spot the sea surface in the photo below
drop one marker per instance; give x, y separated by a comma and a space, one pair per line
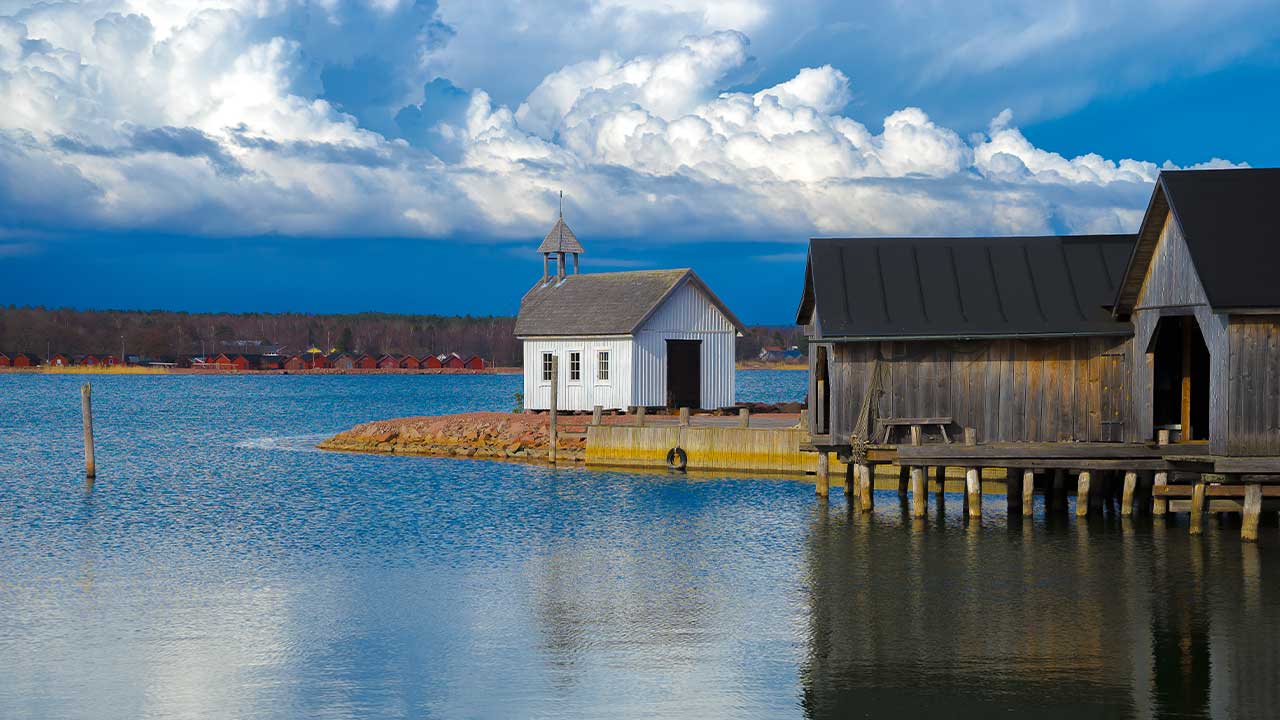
222, 568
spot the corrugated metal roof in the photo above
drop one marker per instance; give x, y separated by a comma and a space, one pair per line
879, 288
1229, 221
614, 303
560, 239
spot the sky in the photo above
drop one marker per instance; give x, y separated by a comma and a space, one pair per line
407, 156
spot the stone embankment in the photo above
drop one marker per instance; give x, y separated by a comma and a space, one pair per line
489, 435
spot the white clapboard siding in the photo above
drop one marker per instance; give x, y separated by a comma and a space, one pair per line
589, 391
686, 314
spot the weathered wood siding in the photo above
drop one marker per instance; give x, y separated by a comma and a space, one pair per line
1172, 288
1254, 404
1050, 390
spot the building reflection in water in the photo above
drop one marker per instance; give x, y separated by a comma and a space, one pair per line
1109, 618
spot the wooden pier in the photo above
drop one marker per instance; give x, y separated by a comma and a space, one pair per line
1140, 478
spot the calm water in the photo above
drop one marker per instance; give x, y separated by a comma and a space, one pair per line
222, 569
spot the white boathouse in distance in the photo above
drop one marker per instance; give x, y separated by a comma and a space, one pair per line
644, 338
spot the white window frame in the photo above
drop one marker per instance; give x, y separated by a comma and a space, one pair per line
608, 366
569, 378
544, 367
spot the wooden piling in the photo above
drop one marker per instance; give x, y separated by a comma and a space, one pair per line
684, 417
1252, 511
554, 439
640, 416
1059, 490
1197, 507
904, 474
824, 468
86, 411
1159, 503
919, 492
744, 418
1082, 494
973, 490
1028, 491
866, 483
1126, 500
850, 483
1012, 491
596, 412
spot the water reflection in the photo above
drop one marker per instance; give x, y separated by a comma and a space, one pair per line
1101, 618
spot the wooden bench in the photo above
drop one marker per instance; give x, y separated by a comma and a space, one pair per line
886, 426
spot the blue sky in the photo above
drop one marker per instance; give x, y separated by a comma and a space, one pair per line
406, 156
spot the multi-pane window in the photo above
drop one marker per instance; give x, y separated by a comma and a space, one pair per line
546, 367
575, 366
602, 365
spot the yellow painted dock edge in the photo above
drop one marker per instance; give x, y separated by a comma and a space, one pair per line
755, 450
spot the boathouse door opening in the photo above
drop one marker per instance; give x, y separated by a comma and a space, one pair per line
822, 388
1180, 383
684, 373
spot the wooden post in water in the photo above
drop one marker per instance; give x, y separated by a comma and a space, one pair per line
684, 417
1126, 500
824, 479
1028, 491
904, 477
744, 418
919, 492
1012, 491
1159, 503
1197, 506
596, 412
86, 410
1252, 511
1059, 490
640, 416
554, 438
866, 482
1082, 494
973, 490
973, 478
850, 482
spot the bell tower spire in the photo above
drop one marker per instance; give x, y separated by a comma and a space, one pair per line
560, 242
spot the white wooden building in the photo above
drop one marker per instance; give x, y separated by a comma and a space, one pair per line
645, 338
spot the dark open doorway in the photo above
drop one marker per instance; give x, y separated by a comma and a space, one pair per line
822, 390
1180, 386
684, 373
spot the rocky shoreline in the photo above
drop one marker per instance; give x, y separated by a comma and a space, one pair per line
486, 435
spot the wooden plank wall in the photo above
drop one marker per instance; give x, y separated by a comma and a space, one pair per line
1056, 390
1254, 407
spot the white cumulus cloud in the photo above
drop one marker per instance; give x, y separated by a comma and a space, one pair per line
236, 118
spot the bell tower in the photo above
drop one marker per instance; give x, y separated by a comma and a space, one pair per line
558, 243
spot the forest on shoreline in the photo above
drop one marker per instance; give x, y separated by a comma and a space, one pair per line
165, 334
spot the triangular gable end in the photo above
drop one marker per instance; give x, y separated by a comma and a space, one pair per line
1170, 278
690, 299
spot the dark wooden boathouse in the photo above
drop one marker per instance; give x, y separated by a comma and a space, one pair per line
1154, 352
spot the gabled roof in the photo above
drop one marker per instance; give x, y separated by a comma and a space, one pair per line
615, 303
1229, 222
916, 288
560, 239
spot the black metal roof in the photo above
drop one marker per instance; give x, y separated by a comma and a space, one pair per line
614, 303
1228, 219
915, 288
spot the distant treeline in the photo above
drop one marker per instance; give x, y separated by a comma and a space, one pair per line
168, 334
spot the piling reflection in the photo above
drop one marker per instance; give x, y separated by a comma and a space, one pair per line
1108, 617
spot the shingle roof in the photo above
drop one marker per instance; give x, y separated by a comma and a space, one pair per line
880, 288
1229, 223
614, 303
560, 239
